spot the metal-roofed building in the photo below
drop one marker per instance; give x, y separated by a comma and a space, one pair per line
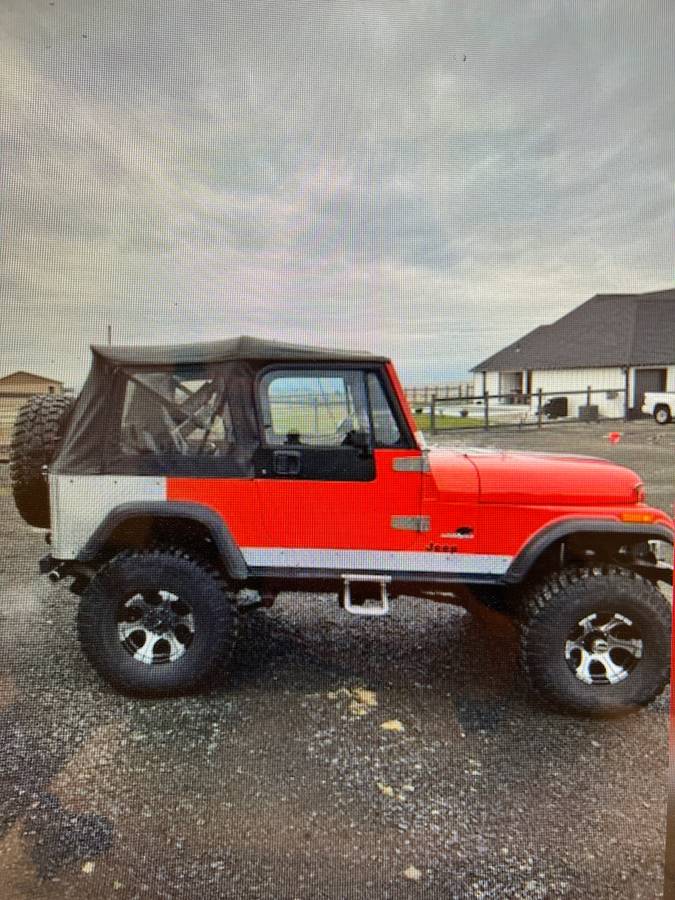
22, 382
620, 344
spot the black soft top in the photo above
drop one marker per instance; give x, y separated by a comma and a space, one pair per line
93, 426
239, 348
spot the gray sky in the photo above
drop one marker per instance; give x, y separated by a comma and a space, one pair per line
423, 179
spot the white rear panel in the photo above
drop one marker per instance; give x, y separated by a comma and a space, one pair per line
79, 503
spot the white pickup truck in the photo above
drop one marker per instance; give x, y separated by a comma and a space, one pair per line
660, 405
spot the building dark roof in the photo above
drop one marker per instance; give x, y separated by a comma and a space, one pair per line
244, 348
607, 330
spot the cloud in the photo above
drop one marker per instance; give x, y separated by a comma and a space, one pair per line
417, 178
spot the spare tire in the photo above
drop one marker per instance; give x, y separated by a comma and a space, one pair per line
34, 439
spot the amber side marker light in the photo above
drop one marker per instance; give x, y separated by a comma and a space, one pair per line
645, 518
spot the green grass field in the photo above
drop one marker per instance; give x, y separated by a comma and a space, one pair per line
424, 422
307, 419
323, 420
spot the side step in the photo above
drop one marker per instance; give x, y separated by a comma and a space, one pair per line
369, 609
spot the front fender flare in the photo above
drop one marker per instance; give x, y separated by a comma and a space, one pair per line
531, 552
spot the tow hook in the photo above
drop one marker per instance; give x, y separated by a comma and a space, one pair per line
56, 574
51, 568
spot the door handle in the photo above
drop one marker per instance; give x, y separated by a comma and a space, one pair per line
287, 462
464, 531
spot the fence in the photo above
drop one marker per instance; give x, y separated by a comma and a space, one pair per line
443, 413
455, 391
435, 412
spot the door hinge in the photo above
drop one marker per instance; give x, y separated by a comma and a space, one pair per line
412, 463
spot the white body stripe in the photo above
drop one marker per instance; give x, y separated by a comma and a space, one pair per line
79, 503
377, 560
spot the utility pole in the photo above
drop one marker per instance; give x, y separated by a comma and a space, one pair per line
109, 335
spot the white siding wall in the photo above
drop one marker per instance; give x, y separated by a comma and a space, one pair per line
477, 383
491, 383
563, 380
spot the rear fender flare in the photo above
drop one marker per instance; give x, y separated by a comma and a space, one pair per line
530, 553
226, 546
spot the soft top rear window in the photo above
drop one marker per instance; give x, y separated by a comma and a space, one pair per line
188, 419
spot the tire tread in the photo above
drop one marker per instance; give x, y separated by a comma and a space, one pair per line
223, 631
34, 438
538, 601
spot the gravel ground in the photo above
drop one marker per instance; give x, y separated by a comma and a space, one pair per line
281, 783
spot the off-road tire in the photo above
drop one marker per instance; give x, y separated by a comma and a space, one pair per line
34, 439
554, 608
662, 415
134, 573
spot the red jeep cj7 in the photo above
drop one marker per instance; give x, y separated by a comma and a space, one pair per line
190, 482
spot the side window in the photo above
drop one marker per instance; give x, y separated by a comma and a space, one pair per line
385, 430
316, 409
166, 413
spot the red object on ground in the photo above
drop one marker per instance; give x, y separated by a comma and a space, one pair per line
614, 437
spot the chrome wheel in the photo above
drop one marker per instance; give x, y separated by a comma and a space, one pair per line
155, 627
604, 648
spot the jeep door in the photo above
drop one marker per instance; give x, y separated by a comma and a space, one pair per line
338, 470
